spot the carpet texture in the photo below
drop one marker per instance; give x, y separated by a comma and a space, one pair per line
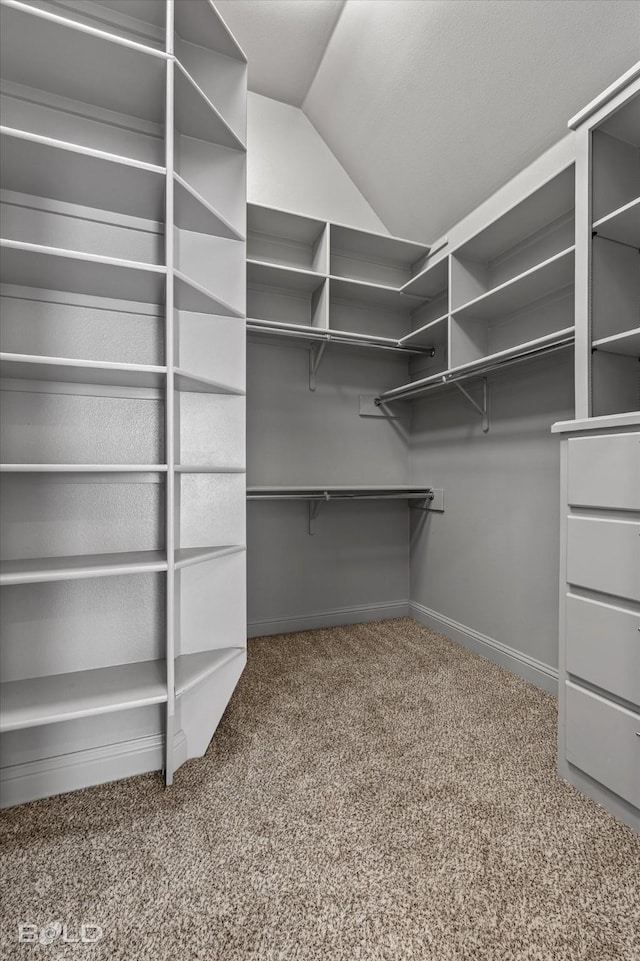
373, 792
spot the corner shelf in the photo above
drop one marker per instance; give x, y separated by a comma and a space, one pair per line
622, 225
196, 115
193, 212
193, 669
193, 383
192, 296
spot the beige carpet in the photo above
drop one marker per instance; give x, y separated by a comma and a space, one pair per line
373, 792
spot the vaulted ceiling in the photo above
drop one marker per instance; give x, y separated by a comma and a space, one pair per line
429, 105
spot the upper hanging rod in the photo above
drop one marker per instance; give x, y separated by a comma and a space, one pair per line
435, 381
334, 336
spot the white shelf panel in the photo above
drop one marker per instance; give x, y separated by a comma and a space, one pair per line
207, 469
101, 61
190, 295
77, 567
429, 282
201, 385
418, 335
191, 669
628, 343
377, 248
65, 697
372, 295
622, 225
273, 222
552, 275
32, 265
204, 26
83, 468
193, 212
197, 117
69, 371
188, 556
287, 278
44, 167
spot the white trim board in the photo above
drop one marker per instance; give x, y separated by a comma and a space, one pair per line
332, 618
529, 668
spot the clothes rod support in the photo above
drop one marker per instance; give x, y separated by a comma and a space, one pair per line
314, 510
482, 410
316, 353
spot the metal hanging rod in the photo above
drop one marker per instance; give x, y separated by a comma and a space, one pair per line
295, 332
420, 387
417, 494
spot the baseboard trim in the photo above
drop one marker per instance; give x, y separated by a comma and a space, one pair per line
34, 780
331, 618
536, 672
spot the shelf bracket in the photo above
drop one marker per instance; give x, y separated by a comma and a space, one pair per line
482, 410
316, 352
314, 510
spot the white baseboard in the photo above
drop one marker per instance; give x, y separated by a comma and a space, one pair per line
536, 672
332, 618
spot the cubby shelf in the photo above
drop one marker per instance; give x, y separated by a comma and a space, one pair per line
188, 382
79, 694
188, 556
45, 167
190, 295
425, 331
545, 278
290, 278
193, 212
101, 60
378, 296
197, 117
34, 265
628, 343
430, 282
207, 469
204, 26
70, 371
622, 225
83, 468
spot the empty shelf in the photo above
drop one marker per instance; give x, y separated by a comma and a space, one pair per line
44, 167
83, 468
207, 469
187, 556
193, 212
430, 282
372, 295
426, 333
70, 371
287, 278
623, 225
65, 697
192, 669
196, 384
37, 569
32, 265
196, 116
378, 248
548, 277
628, 343
204, 26
190, 295
100, 60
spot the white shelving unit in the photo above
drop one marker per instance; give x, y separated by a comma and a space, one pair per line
123, 286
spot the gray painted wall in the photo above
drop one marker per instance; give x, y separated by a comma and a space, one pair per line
490, 561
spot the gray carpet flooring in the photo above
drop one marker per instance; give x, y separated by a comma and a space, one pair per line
374, 793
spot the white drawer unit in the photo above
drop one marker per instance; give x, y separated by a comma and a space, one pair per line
603, 646
603, 554
603, 740
604, 472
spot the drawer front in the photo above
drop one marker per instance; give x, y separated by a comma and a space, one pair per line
601, 740
605, 471
604, 555
603, 646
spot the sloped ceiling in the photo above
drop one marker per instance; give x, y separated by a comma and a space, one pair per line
429, 105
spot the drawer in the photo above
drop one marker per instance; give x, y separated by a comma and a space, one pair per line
603, 646
604, 555
601, 740
605, 471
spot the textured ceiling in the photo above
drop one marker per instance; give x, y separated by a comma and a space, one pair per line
429, 105
284, 41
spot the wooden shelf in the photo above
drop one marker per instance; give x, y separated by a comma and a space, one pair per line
192, 669
33, 265
193, 212
65, 697
197, 117
188, 556
546, 278
45, 167
69, 371
101, 60
77, 567
83, 468
627, 343
289, 278
622, 225
190, 295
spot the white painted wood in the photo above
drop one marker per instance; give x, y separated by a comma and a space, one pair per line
589, 424
193, 669
69, 370
83, 468
62, 697
431, 281
213, 603
186, 381
279, 276
193, 212
604, 472
43, 569
615, 281
606, 96
603, 646
604, 555
202, 706
223, 80
369, 294
196, 116
202, 24
603, 741
193, 296
186, 557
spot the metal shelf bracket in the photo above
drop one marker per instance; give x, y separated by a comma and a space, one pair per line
316, 352
314, 510
482, 410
